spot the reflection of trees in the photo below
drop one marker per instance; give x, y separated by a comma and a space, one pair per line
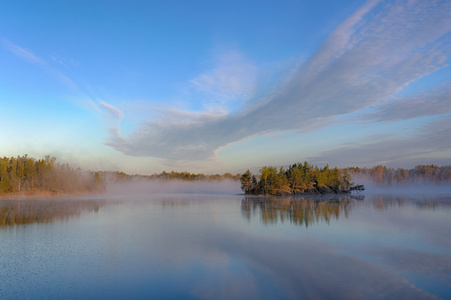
18, 212
304, 211
383, 202
432, 204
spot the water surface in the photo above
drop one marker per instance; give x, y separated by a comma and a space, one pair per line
207, 246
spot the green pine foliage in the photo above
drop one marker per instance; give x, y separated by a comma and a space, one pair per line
298, 179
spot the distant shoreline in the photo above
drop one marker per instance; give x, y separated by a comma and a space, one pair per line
38, 195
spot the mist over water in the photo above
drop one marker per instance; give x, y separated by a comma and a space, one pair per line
206, 240
420, 188
140, 187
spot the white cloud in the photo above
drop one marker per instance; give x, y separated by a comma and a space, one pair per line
111, 110
372, 56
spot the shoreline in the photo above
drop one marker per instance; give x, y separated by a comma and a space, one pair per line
39, 195
316, 196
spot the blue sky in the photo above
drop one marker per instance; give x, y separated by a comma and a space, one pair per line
223, 86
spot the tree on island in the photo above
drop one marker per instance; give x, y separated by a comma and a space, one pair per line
298, 179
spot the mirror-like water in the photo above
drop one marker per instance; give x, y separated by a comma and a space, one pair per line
228, 247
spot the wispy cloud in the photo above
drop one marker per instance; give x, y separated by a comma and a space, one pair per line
22, 52
34, 59
392, 150
431, 103
373, 55
111, 110
112, 117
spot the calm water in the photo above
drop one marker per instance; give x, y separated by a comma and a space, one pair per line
226, 247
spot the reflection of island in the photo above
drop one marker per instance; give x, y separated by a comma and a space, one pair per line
304, 211
18, 212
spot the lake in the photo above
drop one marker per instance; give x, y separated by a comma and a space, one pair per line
226, 246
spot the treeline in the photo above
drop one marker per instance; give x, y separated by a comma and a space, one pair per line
298, 179
382, 175
24, 174
185, 176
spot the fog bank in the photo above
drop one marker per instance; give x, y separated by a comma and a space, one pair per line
141, 187
411, 189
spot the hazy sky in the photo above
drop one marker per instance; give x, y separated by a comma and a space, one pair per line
217, 86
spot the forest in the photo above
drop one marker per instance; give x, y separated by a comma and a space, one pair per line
298, 179
421, 174
305, 178
185, 176
26, 174
302, 178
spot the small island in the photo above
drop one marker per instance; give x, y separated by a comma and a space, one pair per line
298, 179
